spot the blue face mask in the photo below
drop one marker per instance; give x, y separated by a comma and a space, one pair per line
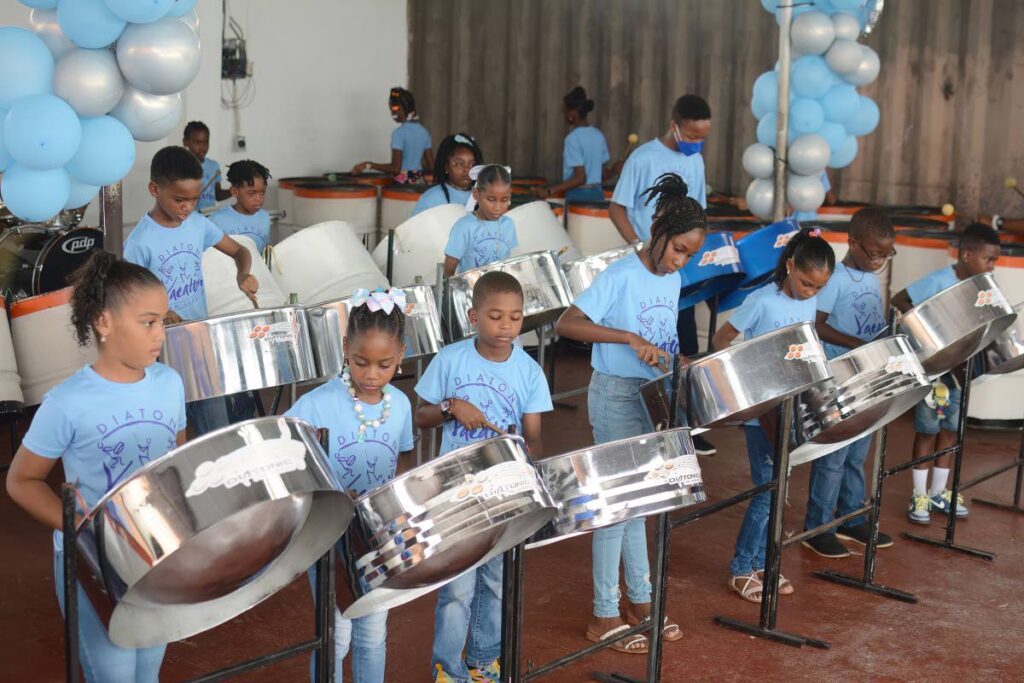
689, 148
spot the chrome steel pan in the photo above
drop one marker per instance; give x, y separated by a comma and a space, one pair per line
1006, 352
581, 273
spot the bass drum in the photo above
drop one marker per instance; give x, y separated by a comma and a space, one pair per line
35, 259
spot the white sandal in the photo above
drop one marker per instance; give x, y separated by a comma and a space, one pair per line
751, 585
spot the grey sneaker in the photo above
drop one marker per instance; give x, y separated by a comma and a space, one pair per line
919, 504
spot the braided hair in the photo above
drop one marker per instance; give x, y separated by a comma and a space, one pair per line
809, 251
103, 283
445, 150
400, 99
246, 171
675, 212
576, 100
361, 320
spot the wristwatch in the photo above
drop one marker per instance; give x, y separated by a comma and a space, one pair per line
446, 409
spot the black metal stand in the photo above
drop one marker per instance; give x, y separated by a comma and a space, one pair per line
1015, 506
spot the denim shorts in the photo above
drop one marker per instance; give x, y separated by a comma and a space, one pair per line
926, 418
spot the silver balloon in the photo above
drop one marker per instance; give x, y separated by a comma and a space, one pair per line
89, 80
867, 70
844, 56
191, 19
43, 22
812, 33
809, 154
759, 160
805, 192
760, 195
149, 117
160, 58
847, 26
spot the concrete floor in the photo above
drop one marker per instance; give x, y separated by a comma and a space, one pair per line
967, 626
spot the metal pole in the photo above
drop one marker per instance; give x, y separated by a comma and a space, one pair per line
112, 218
70, 585
782, 113
512, 613
323, 655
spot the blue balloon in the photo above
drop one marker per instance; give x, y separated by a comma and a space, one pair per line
840, 102
825, 6
89, 23
845, 154
834, 134
806, 116
26, 65
811, 76
864, 118
766, 94
106, 154
35, 196
42, 132
5, 157
847, 5
39, 4
181, 7
766, 129
80, 195
140, 11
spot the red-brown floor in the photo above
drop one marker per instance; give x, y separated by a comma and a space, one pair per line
968, 624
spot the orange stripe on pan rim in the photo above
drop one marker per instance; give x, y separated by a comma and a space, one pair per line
924, 242
838, 210
534, 181
580, 210
41, 302
335, 193
401, 195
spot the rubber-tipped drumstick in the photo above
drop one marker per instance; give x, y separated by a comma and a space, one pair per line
632, 140
948, 209
1011, 183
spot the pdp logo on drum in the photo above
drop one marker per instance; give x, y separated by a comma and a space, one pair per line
680, 471
500, 481
722, 256
78, 245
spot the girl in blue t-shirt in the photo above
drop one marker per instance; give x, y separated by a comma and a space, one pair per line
486, 235
456, 156
804, 267
584, 153
629, 315
104, 423
369, 427
411, 148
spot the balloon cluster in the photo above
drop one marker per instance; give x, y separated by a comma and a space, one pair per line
77, 90
826, 113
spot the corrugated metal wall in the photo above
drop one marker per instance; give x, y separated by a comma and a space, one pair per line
950, 105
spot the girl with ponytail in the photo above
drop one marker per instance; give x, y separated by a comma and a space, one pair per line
584, 153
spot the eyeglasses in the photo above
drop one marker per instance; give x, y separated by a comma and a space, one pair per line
875, 258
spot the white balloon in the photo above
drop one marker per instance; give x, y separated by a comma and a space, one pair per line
759, 160
89, 80
191, 19
160, 58
43, 23
847, 26
808, 154
760, 195
812, 33
804, 192
867, 71
149, 117
844, 56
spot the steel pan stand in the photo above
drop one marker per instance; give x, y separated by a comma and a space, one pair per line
1018, 485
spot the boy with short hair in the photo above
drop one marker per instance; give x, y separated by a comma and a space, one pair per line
246, 216
196, 139
475, 390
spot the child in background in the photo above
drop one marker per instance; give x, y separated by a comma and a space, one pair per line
170, 240
196, 139
629, 315
246, 216
411, 148
937, 417
486, 235
369, 425
804, 267
583, 155
456, 155
104, 422
850, 313
474, 390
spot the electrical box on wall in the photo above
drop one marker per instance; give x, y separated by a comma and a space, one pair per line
233, 63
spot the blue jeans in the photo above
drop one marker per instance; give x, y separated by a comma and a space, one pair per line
208, 414
927, 420
837, 485
617, 412
468, 617
102, 661
753, 536
368, 637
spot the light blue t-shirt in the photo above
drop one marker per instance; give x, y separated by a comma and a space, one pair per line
476, 243
585, 146
104, 431
175, 255
641, 171
412, 140
853, 300
931, 284
208, 198
435, 197
627, 296
360, 465
504, 392
256, 227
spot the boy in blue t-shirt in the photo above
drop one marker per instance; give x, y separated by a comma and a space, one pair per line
475, 390
850, 313
246, 217
196, 139
937, 417
170, 241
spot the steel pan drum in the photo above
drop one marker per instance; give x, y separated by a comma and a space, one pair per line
545, 291
617, 481
956, 323
870, 387
328, 323
715, 269
419, 245
749, 379
210, 530
325, 261
240, 352
581, 273
430, 524
759, 254
538, 229
1006, 353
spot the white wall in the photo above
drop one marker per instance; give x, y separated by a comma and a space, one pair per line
322, 71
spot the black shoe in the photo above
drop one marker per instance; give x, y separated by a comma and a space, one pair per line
703, 446
826, 545
859, 534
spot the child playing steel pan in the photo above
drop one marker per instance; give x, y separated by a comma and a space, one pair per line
246, 216
486, 235
456, 156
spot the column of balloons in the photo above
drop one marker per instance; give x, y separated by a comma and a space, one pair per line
76, 90
826, 112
